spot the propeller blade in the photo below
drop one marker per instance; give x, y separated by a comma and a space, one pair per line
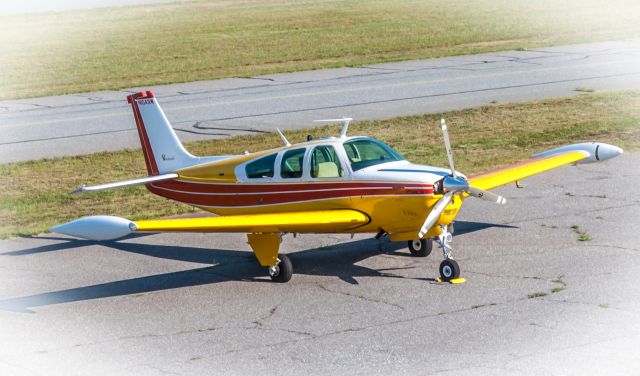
486, 195
447, 145
435, 213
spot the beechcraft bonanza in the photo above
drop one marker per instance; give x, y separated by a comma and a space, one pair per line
345, 184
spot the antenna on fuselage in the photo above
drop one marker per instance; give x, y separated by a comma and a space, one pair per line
345, 124
284, 139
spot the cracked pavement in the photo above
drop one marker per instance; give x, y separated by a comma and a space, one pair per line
537, 299
102, 121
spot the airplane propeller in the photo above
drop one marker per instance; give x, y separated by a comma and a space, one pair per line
453, 184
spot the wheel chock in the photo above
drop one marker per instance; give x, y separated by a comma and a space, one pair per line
454, 281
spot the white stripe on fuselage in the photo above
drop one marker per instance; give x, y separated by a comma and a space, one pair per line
403, 171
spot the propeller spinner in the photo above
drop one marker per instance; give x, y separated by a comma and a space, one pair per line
451, 185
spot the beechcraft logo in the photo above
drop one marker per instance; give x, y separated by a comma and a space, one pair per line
167, 158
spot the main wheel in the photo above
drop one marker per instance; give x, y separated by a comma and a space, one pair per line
449, 270
282, 271
420, 247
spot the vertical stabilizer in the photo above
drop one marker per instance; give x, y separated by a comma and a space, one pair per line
162, 149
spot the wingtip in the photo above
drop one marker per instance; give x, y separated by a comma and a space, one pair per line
97, 227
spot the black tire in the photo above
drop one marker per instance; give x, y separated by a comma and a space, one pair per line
420, 247
449, 270
284, 270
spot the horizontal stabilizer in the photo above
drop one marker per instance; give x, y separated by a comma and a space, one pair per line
125, 183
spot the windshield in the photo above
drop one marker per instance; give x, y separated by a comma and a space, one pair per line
365, 152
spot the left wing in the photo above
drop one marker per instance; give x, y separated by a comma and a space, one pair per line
102, 227
308, 221
588, 152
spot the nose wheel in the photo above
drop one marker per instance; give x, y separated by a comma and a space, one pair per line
449, 268
282, 271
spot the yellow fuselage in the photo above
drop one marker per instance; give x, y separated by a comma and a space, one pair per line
396, 196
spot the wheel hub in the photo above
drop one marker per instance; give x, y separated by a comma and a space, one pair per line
274, 270
446, 271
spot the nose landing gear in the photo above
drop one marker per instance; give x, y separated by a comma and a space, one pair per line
449, 269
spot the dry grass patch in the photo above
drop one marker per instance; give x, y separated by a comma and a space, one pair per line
121, 47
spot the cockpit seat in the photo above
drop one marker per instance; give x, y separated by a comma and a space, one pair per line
327, 170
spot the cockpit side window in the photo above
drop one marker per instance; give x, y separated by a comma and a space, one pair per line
291, 165
365, 152
325, 163
261, 168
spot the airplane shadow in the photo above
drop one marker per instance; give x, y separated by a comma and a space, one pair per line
466, 227
338, 261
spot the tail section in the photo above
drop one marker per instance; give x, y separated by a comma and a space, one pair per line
162, 149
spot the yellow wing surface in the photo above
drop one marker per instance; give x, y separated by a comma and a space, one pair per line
325, 221
495, 178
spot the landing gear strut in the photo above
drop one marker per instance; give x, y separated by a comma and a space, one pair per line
449, 268
282, 271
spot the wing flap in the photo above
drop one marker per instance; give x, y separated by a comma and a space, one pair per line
536, 165
304, 222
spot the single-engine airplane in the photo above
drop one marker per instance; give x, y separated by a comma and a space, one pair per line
344, 184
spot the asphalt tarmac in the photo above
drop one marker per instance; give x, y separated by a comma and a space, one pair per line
537, 301
91, 122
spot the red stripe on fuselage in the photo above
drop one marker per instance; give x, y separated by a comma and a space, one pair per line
237, 195
204, 187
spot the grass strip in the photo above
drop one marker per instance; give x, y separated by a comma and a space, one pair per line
121, 47
34, 194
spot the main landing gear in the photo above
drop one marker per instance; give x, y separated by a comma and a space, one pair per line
420, 247
282, 271
449, 268
265, 247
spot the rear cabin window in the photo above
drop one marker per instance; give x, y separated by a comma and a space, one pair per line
325, 163
261, 168
291, 165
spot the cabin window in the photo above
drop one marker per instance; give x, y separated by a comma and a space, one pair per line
325, 163
365, 152
261, 168
291, 165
